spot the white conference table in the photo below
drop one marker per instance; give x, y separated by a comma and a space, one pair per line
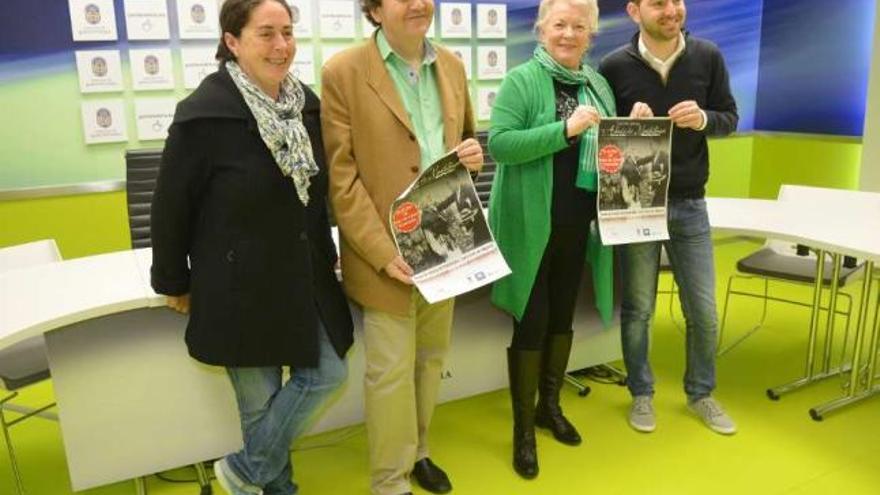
831, 221
131, 402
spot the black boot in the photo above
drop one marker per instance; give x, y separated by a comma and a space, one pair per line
523, 367
549, 414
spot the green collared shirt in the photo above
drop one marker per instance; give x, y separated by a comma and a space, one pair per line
421, 98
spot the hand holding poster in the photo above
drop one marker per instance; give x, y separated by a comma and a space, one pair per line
633, 164
441, 232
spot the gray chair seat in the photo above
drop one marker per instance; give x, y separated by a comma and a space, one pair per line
24, 363
769, 263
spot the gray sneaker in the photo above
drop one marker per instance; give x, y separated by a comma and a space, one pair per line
230, 482
641, 414
711, 412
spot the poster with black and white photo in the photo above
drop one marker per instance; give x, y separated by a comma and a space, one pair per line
441, 232
634, 168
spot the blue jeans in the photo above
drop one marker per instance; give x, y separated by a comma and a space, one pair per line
273, 416
690, 253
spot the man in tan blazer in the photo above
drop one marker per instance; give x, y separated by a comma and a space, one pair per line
391, 107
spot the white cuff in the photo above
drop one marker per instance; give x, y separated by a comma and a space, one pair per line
705, 120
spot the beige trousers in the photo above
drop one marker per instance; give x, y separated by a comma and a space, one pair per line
404, 362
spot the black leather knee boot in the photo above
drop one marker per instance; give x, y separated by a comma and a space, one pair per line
549, 413
523, 367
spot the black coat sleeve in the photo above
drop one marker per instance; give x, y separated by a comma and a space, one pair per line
721, 113
182, 176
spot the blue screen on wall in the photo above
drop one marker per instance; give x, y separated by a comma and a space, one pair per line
815, 61
795, 65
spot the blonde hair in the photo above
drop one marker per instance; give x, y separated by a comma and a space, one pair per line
591, 8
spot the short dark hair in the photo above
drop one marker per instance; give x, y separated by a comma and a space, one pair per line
234, 16
367, 6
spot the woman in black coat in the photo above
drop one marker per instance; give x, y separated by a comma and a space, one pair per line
241, 241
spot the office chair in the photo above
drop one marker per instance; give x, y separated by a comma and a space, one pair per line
24, 363
666, 267
141, 172
483, 182
785, 262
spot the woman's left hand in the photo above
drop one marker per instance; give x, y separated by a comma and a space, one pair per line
178, 303
470, 153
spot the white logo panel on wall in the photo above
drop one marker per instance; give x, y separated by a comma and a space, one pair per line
455, 20
491, 20
146, 19
485, 101
197, 19
197, 64
151, 69
92, 20
367, 27
337, 18
327, 52
491, 62
103, 121
99, 71
303, 66
153, 117
301, 11
465, 54
432, 29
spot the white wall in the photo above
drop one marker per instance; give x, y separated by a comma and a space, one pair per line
870, 173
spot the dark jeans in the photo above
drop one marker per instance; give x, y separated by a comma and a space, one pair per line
690, 253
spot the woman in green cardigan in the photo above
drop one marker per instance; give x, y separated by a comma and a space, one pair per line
543, 137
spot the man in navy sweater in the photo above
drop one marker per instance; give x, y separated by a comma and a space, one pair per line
663, 71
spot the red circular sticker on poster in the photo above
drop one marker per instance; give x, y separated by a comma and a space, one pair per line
610, 159
407, 217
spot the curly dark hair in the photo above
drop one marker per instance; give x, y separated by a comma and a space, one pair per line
369, 5
234, 16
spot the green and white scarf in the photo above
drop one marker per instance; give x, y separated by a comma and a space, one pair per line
594, 91
281, 127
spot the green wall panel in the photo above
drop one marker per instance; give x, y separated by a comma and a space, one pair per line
81, 225
804, 160
730, 167
741, 166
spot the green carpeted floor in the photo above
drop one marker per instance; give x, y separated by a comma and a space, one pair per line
778, 450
